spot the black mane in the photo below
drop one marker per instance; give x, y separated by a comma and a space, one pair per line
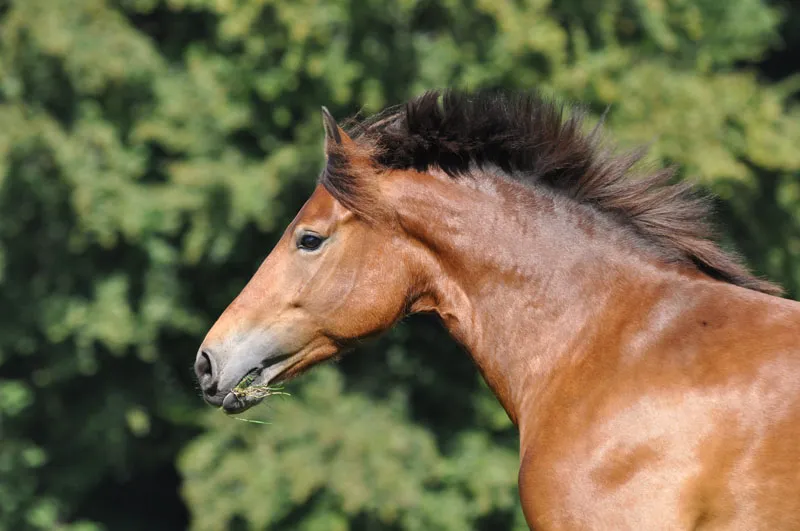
528, 137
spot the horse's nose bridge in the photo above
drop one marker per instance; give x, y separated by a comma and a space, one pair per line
250, 300
243, 314
260, 291
250, 310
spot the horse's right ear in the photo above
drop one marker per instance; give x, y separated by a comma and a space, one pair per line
331, 127
346, 164
334, 135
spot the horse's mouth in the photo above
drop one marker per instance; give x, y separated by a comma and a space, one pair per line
237, 399
255, 385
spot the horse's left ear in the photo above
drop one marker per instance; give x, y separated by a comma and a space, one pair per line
334, 135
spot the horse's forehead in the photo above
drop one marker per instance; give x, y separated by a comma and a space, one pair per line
321, 205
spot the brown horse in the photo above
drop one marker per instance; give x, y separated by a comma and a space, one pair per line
655, 382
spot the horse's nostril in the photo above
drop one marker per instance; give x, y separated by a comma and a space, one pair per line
203, 364
204, 369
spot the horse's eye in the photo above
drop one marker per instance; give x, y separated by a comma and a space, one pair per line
309, 242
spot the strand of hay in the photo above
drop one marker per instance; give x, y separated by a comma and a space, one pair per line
245, 390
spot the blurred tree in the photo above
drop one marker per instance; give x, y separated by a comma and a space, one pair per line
151, 152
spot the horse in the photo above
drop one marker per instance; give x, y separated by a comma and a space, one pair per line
654, 381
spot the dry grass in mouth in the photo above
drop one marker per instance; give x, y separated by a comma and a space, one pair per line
245, 390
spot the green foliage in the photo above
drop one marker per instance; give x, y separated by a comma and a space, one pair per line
351, 457
151, 152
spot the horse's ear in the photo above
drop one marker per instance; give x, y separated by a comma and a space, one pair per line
334, 135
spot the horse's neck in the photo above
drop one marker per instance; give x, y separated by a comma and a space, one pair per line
520, 279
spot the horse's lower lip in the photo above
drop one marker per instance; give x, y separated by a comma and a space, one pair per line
232, 404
